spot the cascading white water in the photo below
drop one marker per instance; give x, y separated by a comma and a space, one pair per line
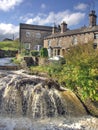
30, 97
25, 99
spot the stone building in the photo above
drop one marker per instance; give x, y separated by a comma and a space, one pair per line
31, 36
61, 38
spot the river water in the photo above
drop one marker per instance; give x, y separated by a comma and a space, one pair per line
84, 123
6, 62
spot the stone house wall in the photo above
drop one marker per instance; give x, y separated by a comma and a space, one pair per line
67, 41
32, 35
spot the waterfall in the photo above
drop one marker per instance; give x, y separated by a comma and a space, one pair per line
25, 97
32, 96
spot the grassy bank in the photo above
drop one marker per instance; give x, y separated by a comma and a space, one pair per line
9, 45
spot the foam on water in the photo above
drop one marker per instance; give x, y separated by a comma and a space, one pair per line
84, 123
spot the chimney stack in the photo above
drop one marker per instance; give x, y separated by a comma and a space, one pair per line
63, 27
92, 18
54, 29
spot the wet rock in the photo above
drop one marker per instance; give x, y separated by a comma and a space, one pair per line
92, 107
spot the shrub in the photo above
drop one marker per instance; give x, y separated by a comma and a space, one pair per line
25, 52
44, 52
34, 53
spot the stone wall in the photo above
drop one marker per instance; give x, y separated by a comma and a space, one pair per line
31, 60
1, 53
8, 53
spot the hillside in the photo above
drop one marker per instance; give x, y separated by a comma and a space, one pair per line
9, 45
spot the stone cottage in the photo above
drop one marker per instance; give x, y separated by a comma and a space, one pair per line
32, 36
62, 38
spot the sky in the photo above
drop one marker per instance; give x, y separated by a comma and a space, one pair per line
43, 12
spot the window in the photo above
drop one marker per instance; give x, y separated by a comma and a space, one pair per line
27, 34
59, 43
49, 43
96, 36
95, 45
55, 52
74, 41
38, 47
58, 52
38, 35
27, 46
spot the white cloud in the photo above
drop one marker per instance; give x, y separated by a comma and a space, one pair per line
6, 5
81, 6
71, 18
29, 21
43, 6
7, 30
26, 17
74, 18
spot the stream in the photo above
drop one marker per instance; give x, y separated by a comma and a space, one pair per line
6, 62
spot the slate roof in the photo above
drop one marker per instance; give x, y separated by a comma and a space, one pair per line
81, 30
35, 27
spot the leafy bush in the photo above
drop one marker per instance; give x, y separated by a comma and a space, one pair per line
25, 52
81, 80
34, 53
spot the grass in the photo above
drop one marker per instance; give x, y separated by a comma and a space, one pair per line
40, 69
9, 45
